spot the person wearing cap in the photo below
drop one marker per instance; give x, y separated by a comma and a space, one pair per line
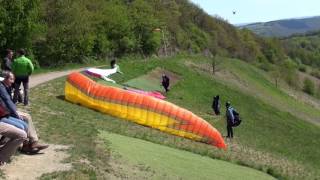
230, 119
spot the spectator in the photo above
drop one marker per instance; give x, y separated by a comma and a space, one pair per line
22, 68
32, 144
7, 61
16, 137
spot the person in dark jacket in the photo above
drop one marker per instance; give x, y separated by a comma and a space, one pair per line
7, 61
230, 119
216, 105
32, 144
165, 82
113, 63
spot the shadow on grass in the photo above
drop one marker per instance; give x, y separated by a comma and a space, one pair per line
61, 97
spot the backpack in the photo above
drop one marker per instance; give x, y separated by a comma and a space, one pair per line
237, 121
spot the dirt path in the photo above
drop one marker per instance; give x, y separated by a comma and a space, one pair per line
42, 78
29, 167
33, 166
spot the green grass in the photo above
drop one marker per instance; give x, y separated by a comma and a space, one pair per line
161, 162
269, 139
265, 89
145, 84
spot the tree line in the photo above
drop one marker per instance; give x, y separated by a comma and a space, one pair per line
56, 32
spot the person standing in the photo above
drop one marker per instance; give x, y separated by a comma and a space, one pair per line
230, 119
165, 82
216, 105
6, 64
22, 68
7, 61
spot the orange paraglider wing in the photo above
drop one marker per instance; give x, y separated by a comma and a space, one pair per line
141, 109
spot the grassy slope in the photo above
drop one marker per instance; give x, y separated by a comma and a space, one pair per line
265, 127
170, 163
258, 116
269, 139
259, 86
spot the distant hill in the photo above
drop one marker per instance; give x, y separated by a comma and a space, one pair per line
284, 28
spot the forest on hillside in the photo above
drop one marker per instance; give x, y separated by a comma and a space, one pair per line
56, 32
304, 48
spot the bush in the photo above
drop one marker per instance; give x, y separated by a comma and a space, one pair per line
302, 68
288, 71
308, 86
267, 67
315, 73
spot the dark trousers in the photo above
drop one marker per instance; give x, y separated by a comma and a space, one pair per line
25, 82
166, 86
229, 130
216, 111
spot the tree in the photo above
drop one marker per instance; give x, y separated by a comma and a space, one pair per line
215, 63
288, 72
70, 33
115, 27
19, 23
276, 75
144, 23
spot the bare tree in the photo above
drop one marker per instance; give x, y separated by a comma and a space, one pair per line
215, 63
276, 75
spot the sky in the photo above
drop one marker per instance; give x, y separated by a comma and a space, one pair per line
248, 11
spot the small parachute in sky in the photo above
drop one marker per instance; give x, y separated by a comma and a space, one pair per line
234, 12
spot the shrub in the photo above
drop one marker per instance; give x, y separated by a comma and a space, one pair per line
302, 68
308, 86
315, 73
288, 71
267, 67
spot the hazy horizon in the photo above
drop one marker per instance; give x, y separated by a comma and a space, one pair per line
252, 11
304, 17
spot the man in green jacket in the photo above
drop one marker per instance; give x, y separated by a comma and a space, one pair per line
22, 68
